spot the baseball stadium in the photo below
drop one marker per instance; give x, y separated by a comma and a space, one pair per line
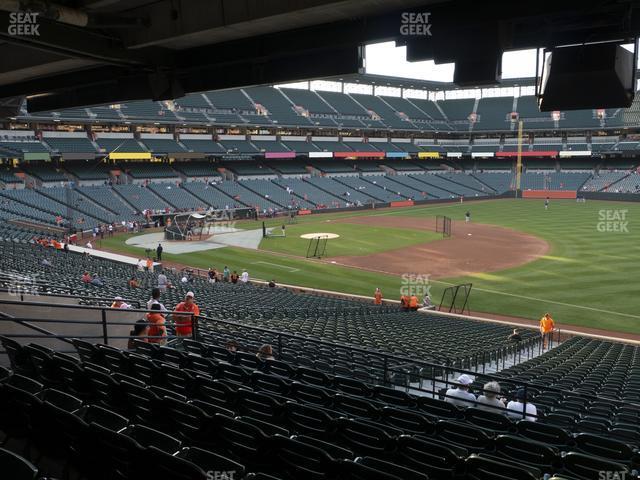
325, 239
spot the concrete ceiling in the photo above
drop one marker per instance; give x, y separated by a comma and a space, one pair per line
101, 51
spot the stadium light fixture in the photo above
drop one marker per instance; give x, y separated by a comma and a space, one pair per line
586, 76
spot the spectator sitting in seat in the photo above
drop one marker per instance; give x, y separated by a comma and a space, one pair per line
139, 332
265, 353
156, 325
461, 396
86, 278
133, 282
234, 277
97, 281
516, 408
119, 303
489, 399
515, 337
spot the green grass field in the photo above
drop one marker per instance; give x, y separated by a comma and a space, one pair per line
588, 278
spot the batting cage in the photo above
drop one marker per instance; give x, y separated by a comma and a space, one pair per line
443, 225
455, 299
317, 247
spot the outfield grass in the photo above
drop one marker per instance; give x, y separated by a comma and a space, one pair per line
588, 278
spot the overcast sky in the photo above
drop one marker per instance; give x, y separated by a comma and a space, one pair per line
387, 59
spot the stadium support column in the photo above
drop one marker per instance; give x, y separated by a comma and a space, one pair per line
519, 158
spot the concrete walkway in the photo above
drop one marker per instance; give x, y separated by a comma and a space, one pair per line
108, 255
230, 237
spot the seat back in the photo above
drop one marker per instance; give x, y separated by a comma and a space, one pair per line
587, 467
426, 455
530, 452
309, 420
15, 467
301, 460
481, 468
156, 464
463, 435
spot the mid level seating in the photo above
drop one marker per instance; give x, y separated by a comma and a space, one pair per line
149, 170
141, 198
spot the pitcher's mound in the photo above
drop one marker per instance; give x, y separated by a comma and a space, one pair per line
308, 236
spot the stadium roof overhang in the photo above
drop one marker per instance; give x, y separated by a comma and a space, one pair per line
84, 52
417, 84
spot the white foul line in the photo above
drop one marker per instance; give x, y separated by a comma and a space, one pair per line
291, 269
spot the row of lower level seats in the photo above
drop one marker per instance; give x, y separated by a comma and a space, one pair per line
132, 416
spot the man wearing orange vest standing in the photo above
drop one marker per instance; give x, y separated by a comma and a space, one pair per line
546, 328
183, 323
377, 297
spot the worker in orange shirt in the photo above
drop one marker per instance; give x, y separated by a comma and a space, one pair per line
413, 302
404, 303
149, 264
184, 326
546, 328
377, 297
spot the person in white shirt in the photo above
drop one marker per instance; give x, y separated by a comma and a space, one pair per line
141, 265
244, 278
489, 400
516, 408
162, 282
461, 396
427, 303
89, 246
155, 298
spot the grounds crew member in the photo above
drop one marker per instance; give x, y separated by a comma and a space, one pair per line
546, 327
413, 302
377, 297
404, 303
